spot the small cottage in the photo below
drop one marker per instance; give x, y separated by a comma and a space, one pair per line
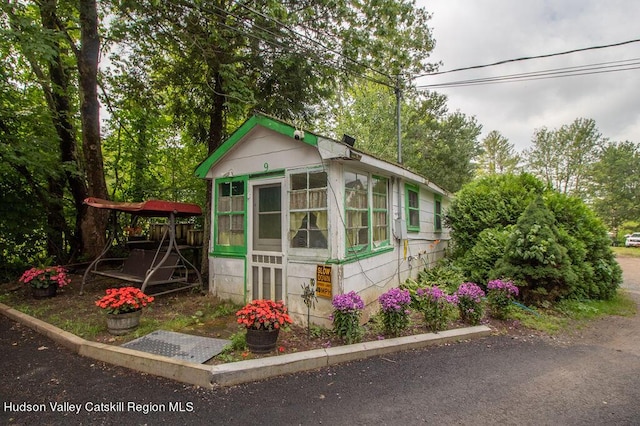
291, 207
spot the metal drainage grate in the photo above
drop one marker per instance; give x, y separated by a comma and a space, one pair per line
180, 346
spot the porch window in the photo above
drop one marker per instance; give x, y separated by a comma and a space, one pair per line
366, 211
437, 213
380, 213
357, 210
308, 210
230, 214
412, 201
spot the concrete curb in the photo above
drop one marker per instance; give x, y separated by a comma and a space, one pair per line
210, 376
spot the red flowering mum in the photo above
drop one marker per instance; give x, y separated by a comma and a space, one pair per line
124, 299
263, 314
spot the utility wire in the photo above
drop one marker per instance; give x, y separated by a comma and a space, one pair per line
294, 37
527, 58
598, 68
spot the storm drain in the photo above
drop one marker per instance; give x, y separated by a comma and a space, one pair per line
180, 346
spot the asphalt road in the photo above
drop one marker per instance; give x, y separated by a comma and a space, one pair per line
588, 379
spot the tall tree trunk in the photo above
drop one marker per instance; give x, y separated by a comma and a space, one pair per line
94, 221
60, 106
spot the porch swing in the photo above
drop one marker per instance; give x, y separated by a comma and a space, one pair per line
163, 265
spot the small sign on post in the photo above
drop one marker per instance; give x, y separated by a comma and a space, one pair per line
323, 281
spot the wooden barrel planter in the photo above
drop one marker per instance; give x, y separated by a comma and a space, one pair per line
262, 341
119, 324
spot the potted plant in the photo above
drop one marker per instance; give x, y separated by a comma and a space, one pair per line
263, 320
123, 307
45, 281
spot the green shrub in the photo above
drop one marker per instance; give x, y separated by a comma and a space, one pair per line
479, 263
535, 259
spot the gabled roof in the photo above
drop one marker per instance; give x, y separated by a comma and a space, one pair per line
329, 149
256, 120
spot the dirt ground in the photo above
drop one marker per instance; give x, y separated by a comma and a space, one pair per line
196, 312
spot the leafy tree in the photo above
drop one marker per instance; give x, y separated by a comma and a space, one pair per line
563, 157
615, 190
435, 144
44, 36
497, 155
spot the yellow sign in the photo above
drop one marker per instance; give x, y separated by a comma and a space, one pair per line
323, 281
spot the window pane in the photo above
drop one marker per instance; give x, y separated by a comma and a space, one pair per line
224, 204
308, 204
269, 199
318, 180
413, 199
237, 188
414, 218
270, 226
237, 222
237, 238
318, 199
298, 200
224, 189
237, 203
299, 181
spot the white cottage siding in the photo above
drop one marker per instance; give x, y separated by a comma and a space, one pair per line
265, 150
228, 278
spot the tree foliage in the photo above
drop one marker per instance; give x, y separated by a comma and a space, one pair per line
435, 143
563, 157
182, 74
614, 185
498, 155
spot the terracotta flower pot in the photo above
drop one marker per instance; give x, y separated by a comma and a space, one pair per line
262, 341
119, 324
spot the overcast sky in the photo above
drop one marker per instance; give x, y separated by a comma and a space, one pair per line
476, 32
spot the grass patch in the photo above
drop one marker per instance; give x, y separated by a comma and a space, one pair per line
544, 321
568, 312
621, 304
626, 251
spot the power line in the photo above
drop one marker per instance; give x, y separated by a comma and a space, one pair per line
527, 58
589, 69
277, 39
316, 42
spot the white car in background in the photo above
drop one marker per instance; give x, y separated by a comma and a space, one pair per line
632, 240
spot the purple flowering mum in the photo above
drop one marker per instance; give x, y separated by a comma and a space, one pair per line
507, 286
347, 302
395, 300
471, 291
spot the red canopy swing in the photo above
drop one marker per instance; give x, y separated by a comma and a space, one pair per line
148, 267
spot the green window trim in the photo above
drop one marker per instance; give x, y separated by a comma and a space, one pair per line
351, 258
232, 211
437, 212
412, 207
368, 211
